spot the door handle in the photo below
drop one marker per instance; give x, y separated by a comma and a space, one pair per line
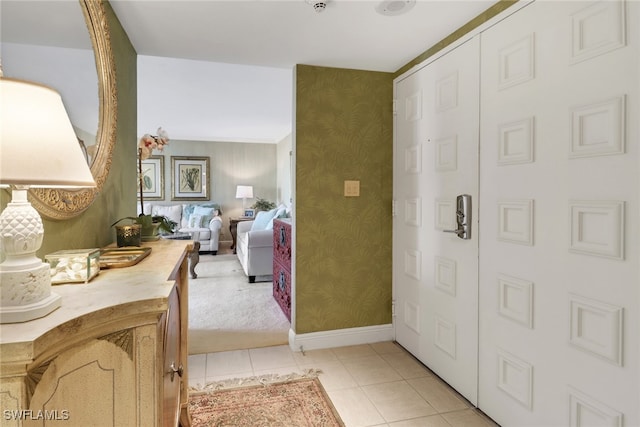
463, 217
173, 370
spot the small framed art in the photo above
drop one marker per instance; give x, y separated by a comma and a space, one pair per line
189, 178
249, 213
153, 178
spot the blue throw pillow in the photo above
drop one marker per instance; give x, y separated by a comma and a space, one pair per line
215, 206
187, 210
280, 213
262, 220
195, 221
206, 214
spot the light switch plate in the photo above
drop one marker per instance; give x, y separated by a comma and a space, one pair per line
352, 188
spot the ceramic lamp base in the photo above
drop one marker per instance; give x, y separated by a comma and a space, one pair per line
26, 294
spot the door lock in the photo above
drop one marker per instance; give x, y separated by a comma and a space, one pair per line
463, 217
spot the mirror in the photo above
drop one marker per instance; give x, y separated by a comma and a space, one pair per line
35, 42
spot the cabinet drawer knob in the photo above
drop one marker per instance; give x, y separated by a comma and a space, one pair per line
179, 370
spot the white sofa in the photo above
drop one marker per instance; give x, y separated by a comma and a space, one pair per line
202, 221
254, 244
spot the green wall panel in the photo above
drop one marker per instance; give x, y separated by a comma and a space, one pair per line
343, 131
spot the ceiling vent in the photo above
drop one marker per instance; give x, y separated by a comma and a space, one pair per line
395, 7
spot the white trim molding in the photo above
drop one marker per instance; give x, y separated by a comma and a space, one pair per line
340, 337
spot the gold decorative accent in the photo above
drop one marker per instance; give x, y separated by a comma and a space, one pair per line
493, 10
122, 339
54, 203
122, 257
33, 378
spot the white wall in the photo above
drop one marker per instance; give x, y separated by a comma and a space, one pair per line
209, 101
284, 153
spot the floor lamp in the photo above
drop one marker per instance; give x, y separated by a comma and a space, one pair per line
38, 148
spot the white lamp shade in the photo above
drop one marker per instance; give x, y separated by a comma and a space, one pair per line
38, 146
244, 192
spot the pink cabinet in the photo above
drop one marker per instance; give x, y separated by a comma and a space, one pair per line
282, 264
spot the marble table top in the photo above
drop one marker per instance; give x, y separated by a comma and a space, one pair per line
135, 290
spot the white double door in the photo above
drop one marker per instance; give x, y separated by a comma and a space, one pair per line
535, 319
436, 272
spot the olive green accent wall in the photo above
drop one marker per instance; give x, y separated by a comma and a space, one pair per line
492, 11
343, 131
92, 229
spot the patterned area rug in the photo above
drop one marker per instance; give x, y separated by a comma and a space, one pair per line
300, 403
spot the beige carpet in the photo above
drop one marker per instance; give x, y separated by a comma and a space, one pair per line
226, 312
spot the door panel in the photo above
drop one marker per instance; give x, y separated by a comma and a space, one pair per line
554, 295
407, 221
435, 272
559, 208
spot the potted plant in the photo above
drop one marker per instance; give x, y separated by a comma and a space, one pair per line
263, 205
150, 225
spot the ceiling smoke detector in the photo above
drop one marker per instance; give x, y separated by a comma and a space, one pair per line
318, 5
395, 7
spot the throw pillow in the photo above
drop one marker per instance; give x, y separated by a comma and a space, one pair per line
174, 212
215, 206
195, 221
207, 214
280, 213
187, 210
201, 210
262, 219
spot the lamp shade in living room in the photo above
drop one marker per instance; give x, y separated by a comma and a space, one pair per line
38, 148
244, 192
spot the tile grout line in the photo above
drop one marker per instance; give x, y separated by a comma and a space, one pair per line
332, 357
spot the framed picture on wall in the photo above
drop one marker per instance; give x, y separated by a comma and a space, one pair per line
189, 178
153, 178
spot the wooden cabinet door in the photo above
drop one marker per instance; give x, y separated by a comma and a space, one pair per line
172, 361
88, 385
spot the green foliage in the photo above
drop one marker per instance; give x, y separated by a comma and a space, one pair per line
165, 223
263, 205
146, 220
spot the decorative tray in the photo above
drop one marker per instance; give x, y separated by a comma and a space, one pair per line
122, 257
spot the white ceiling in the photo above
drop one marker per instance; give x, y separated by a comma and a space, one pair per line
230, 73
347, 34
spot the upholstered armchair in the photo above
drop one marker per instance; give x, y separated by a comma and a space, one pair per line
254, 243
255, 250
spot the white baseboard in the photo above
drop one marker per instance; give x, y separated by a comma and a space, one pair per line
340, 337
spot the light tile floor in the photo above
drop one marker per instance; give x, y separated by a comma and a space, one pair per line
370, 385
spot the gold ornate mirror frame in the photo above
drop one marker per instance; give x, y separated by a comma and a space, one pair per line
55, 203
